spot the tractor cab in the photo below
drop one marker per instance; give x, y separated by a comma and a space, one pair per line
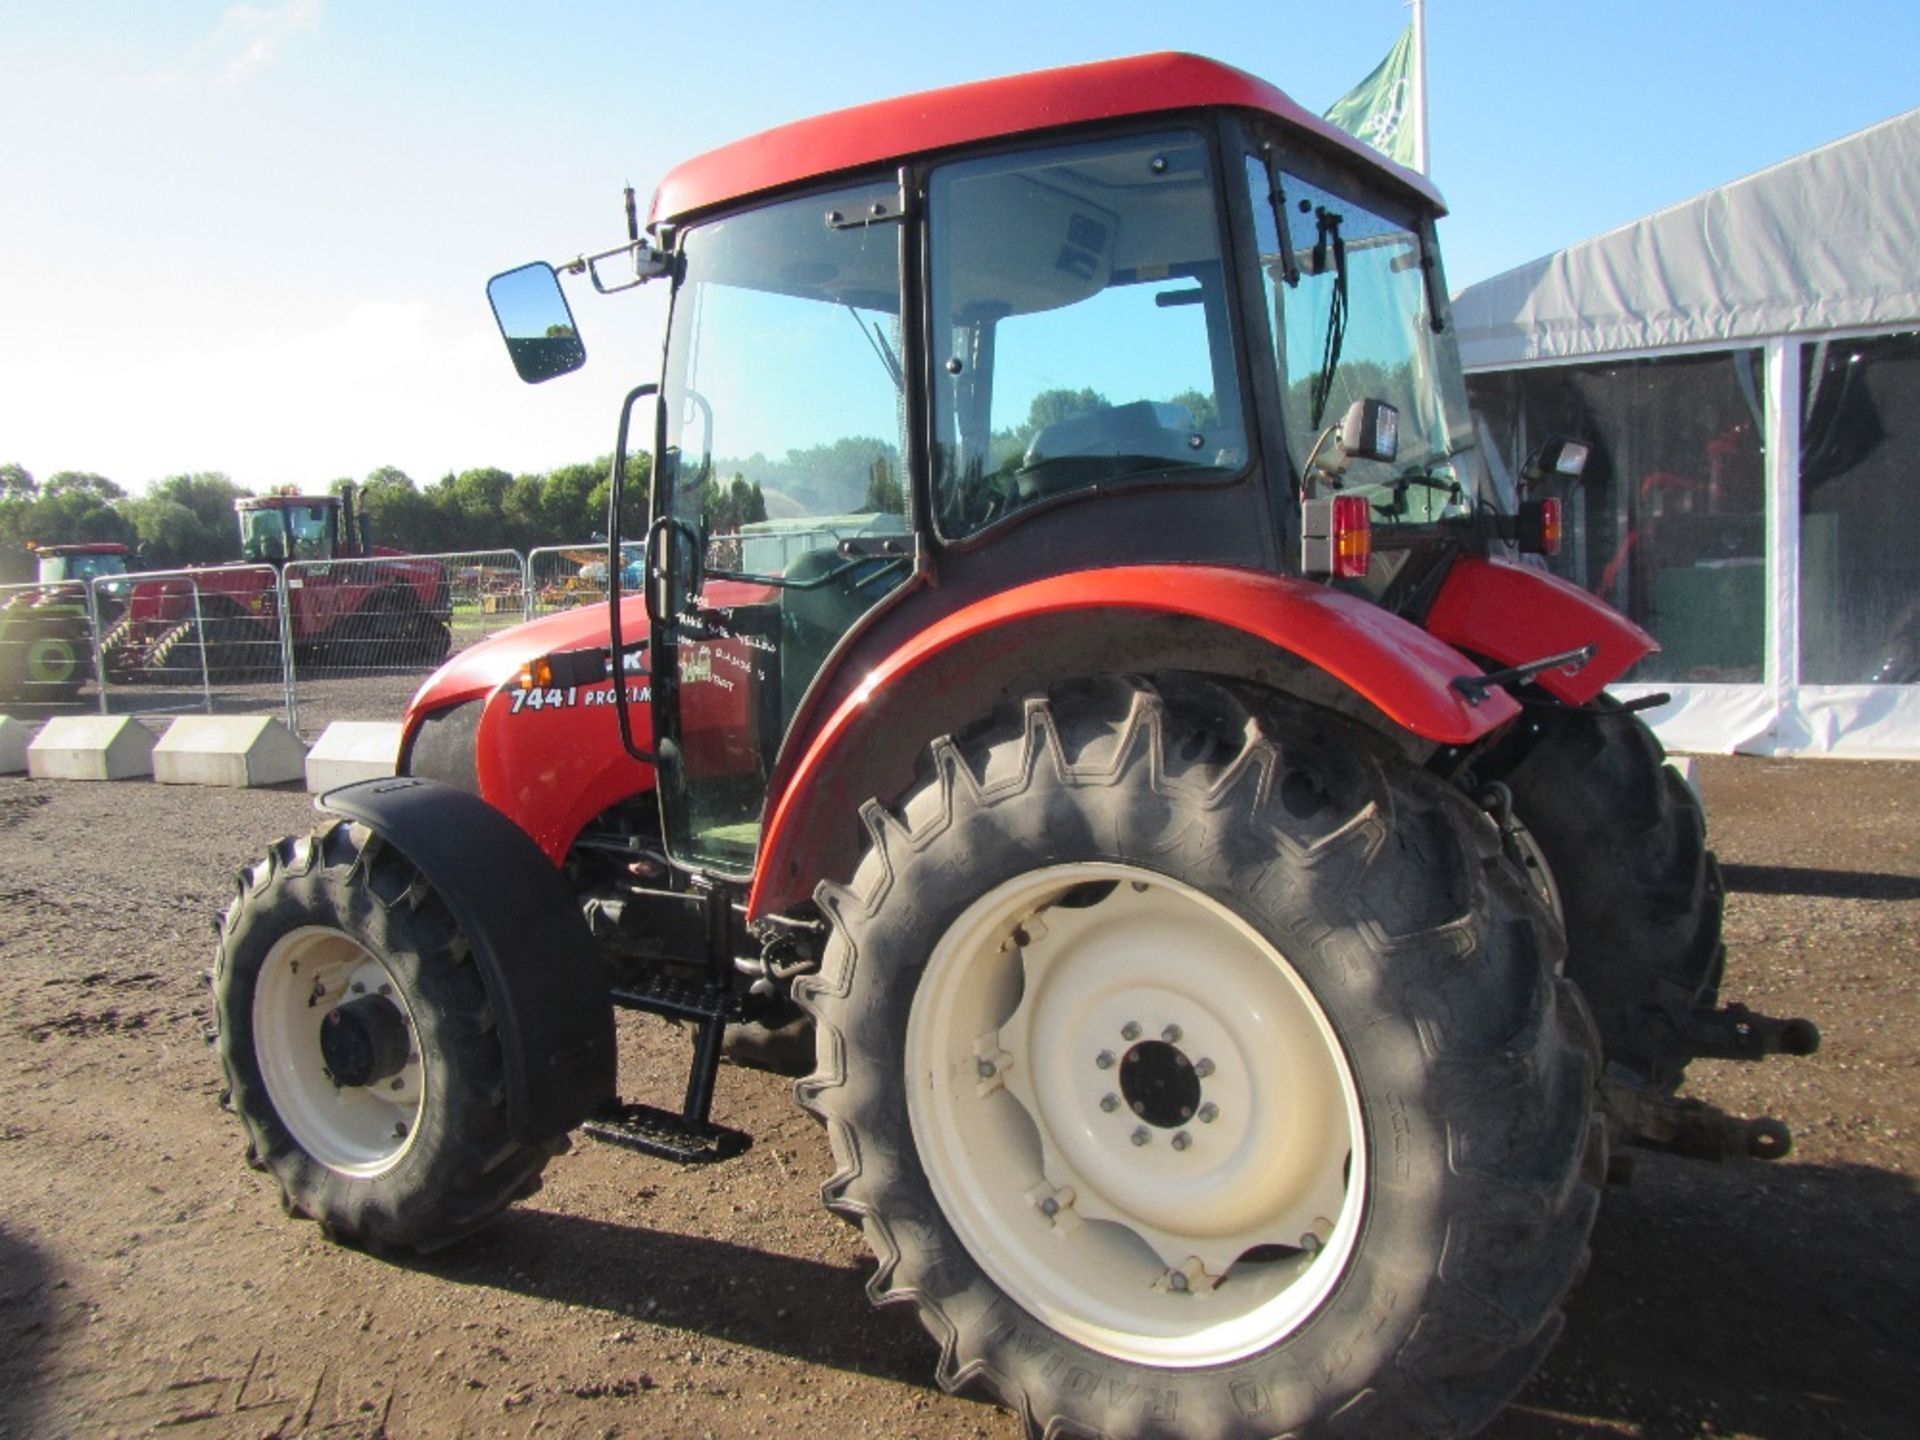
58, 564
287, 526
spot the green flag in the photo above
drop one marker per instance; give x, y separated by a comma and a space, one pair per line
1379, 110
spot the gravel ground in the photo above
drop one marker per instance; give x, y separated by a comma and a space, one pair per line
149, 1284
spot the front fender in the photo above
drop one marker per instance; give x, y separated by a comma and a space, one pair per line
1515, 613
1086, 623
544, 976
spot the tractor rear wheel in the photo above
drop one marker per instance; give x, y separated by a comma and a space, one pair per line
1193, 1072
1625, 840
360, 1048
49, 660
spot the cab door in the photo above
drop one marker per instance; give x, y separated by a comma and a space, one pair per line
781, 490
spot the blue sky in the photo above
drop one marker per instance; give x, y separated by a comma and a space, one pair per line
255, 237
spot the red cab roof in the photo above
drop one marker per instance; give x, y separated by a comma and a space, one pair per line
937, 119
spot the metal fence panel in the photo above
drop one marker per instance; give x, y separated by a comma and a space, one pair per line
563, 577
46, 649
361, 634
195, 639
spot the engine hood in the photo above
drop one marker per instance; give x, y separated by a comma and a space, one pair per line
496, 661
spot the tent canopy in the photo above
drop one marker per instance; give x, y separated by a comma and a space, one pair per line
1817, 243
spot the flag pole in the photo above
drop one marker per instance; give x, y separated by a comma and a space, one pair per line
1420, 87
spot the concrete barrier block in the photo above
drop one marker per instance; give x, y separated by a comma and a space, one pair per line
352, 750
91, 747
14, 736
1689, 768
237, 751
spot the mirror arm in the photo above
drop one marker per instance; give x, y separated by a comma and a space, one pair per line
648, 264
614, 558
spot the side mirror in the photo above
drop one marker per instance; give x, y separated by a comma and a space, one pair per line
1370, 431
536, 322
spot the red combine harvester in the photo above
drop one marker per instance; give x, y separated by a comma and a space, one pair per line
1235, 924
392, 613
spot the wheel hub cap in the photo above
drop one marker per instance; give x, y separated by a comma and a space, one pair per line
365, 1040
1159, 1085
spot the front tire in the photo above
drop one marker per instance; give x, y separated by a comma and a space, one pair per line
360, 1048
1625, 840
1197, 1073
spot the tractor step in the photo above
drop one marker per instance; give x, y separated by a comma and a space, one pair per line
678, 999
668, 1135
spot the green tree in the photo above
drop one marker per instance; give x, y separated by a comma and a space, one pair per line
206, 534
883, 491
403, 517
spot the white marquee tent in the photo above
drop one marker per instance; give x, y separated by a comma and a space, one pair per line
1747, 365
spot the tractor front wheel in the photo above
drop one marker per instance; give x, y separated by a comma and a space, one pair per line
360, 1048
1193, 1071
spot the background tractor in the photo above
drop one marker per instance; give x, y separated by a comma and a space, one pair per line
46, 638
349, 600
1235, 925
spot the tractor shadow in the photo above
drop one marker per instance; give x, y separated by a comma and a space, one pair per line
29, 1323
1772, 1301
1822, 884
805, 1309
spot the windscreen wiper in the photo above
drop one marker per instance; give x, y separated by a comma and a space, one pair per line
1328, 236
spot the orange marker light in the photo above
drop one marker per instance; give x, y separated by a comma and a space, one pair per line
1352, 537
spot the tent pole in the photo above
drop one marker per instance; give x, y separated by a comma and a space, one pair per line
1420, 87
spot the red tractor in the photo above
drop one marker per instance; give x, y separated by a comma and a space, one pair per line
343, 607
1234, 922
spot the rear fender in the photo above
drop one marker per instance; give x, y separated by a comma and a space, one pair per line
1515, 613
1329, 648
544, 976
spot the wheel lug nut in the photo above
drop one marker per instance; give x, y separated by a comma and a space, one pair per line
1177, 1282
1141, 1135
1171, 1034
1203, 1068
1104, 1059
1109, 1103
1182, 1140
1130, 1030
1049, 1207
1209, 1113
987, 1069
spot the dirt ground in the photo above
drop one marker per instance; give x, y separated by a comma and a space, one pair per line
150, 1285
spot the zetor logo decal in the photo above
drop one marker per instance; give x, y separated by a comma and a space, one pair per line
528, 701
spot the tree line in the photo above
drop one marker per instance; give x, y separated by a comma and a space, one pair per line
189, 519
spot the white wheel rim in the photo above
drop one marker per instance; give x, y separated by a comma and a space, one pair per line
358, 1130
1216, 1235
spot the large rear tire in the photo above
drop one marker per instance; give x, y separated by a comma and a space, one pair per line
1193, 1072
1625, 840
48, 659
360, 1049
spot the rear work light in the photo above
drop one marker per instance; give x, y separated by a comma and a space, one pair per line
1336, 537
1539, 530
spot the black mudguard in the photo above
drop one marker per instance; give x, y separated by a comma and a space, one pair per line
543, 973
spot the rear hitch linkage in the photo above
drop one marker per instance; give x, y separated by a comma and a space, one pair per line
1694, 1128
1736, 1033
